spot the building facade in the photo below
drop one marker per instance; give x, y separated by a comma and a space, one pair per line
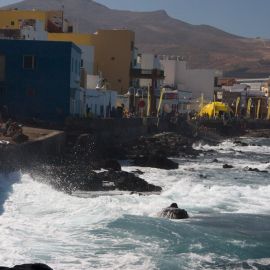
15, 19
112, 56
197, 81
39, 79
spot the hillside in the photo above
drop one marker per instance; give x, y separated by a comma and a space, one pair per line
156, 32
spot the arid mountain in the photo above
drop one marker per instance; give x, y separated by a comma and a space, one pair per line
201, 45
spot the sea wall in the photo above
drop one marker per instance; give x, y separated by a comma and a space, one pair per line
43, 142
116, 130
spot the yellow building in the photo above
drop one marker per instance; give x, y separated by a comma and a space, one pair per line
113, 49
113, 54
15, 19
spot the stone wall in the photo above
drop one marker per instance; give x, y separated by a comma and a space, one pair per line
116, 130
47, 142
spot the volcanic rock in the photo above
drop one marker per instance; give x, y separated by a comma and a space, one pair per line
155, 161
255, 170
240, 143
111, 164
227, 166
173, 212
37, 266
80, 177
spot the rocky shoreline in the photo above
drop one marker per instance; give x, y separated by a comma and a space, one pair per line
35, 266
88, 164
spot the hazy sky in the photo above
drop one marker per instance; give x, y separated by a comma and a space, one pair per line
242, 17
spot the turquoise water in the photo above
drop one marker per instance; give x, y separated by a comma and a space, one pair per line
229, 226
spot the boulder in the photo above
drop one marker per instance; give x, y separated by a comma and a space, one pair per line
36, 266
128, 182
255, 170
111, 164
227, 166
159, 161
173, 212
138, 172
240, 143
69, 178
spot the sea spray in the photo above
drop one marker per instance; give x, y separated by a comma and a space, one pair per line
228, 228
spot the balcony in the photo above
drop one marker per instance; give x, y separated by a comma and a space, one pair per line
147, 74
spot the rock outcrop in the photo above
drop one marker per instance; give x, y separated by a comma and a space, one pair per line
227, 166
37, 266
173, 212
69, 178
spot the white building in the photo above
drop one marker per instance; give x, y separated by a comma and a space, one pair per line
197, 81
99, 102
35, 31
147, 63
257, 84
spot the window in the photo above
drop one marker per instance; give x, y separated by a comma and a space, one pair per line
12, 23
29, 62
81, 62
72, 64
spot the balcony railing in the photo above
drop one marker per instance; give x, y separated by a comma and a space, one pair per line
147, 73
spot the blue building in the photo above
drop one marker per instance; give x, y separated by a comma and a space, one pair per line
39, 79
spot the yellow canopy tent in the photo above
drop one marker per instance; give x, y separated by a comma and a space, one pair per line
214, 109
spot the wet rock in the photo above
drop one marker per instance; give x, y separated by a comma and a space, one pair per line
129, 182
215, 160
227, 166
240, 143
155, 161
80, 177
173, 212
138, 172
111, 164
37, 266
154, 151
255, 170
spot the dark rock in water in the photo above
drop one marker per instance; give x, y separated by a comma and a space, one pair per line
215, 160
227, 166
173, 212
203, 176
138, 172
128, 182
111, 164
240, 143
255, 170
155, 161
70, 178
36, 266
